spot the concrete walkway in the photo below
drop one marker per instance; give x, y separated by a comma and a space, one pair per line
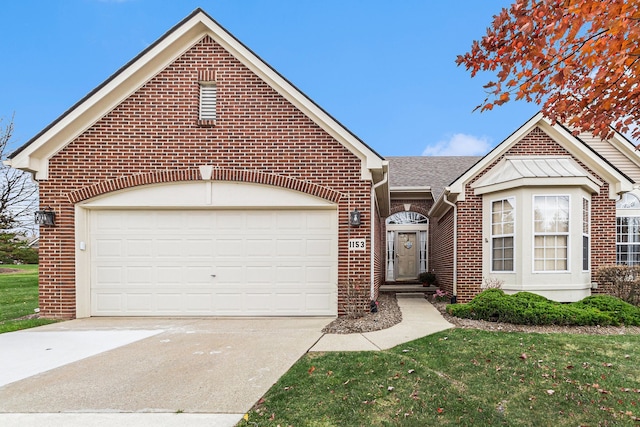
419, 319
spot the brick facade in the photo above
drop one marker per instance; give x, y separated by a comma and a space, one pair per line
154, 136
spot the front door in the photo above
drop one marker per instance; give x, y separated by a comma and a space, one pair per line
407, 257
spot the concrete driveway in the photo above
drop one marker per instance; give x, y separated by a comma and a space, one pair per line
157, 365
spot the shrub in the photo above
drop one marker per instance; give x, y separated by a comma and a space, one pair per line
427, 277
617, 308
622, 281
14, 250
526, 308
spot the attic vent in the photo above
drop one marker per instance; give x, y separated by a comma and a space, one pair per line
208, 95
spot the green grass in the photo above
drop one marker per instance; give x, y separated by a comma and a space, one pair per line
19, 298
464, 377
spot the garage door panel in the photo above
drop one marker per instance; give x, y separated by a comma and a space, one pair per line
205, 262
228, 248
290, 248
318, 275
286, 274
139, 247
259, 220
288, 221
318, 302
140, 276
260, 248
319, 247
199, 303
106, 275
139, 303
169, 275
108, 302
109, 247
197, 275
257, 275
170, 248
169, 303
197, 248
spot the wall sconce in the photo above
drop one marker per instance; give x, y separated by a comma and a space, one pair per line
354, 218
46, 217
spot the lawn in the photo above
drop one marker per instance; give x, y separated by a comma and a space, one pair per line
464, 377
19, 298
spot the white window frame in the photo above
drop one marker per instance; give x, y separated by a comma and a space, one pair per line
635, 218
512, 201
586, 232
550, 234
627, 207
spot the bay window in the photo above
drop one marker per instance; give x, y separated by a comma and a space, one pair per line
551, 232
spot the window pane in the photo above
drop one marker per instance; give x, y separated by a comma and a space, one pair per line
585, 253
628, 240
502, 230
502, 254
550, 253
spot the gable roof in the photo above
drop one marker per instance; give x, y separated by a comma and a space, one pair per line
35, 154
618, 181
432, 173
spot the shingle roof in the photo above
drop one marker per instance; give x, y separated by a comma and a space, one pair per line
434, 171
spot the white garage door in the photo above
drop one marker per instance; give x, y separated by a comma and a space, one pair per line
222, 263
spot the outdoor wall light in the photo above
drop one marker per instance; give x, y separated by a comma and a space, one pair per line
354, 218
46, 217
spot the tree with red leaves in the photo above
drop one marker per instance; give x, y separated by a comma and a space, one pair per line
580, 59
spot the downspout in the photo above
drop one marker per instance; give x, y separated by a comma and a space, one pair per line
447, 191
373, 233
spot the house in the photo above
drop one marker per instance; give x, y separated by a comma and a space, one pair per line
198, 181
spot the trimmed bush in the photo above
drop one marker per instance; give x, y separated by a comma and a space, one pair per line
623, 311
525, 308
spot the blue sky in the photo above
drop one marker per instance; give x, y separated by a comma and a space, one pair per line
384, 69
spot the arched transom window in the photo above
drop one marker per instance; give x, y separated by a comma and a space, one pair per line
407, 217
628, 201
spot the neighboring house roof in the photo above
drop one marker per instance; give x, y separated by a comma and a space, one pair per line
432, 173
618, 181
35, 154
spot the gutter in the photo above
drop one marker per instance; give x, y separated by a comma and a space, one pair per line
385, 178
445, 199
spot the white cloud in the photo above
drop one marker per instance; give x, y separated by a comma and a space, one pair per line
459, 144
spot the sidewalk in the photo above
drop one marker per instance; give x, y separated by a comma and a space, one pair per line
419, 319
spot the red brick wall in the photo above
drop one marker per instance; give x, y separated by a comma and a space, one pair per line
441, 256
537, 142
603, 233
155, 131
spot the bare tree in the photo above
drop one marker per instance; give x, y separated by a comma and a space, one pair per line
18, 191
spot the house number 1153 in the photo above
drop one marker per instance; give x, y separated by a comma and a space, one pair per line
357, 244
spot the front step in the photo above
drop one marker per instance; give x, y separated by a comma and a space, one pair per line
407, 288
